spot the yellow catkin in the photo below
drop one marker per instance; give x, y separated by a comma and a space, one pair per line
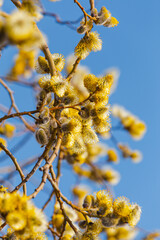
19, 26
122, 206
112, 156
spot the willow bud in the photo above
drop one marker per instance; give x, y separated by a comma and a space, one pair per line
41, 136
88, 201
110, 220
82, 224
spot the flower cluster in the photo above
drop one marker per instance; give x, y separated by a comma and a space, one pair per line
42, 65
46, 126
131, 123
99, 174
24, 64
79, 124
134, 155
112, 213
103, 17
21, 215
112, 156
71, 115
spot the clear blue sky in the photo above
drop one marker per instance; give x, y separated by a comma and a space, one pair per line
134, 48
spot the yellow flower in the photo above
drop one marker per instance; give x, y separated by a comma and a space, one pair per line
88, 43
110, 175
134, 216
89, 136
19, 26
57, 220
24, 63
16, 220
100, 125
58, 85
53, 84
136, 156
122, 206
33, 7
112, 156
37, 220
103, 202
68, 139
94, 42
81, 50
23, 217
131, 123
137, 129
90, 82
59, 61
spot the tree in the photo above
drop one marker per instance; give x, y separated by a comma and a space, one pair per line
72, 115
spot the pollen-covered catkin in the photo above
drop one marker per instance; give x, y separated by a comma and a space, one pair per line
90, 42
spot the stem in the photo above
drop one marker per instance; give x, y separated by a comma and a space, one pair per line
18, 168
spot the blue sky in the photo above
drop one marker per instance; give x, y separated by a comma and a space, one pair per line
133, 47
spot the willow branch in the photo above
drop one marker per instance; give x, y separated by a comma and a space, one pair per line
17, 3
53, 232
60, 157
17, 166
55, 186
18, 145
13, 105
37, 165
48, 201
58, 196
92, 4
3, 225
18, 114
45, 168
75, 65
84, 12
48, 56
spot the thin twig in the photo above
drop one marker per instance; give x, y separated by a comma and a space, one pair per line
13, 105
45, 168
58, 20
84, 12
18, 168
75, 65
60, 157
92, 4
48, 201
53, 232
37, 165
17, 146
3, 225
18, 114
58, 195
